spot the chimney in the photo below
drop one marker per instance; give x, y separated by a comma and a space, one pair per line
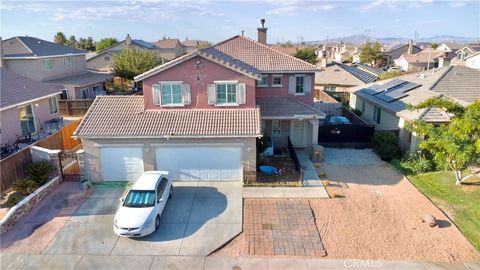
410, 47
262, 32
128, 41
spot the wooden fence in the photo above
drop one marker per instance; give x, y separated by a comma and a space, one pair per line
14, 167
74, 107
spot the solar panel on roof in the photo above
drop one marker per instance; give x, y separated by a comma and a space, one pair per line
370, 91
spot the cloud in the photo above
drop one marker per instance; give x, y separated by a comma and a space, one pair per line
457, 4
395, 4
296, 7
145, 10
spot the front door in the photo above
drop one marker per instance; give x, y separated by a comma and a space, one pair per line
297, 133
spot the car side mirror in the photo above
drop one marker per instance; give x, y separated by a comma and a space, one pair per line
120, 199
160, 200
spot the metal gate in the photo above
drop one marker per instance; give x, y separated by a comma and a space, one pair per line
70, 166
345, 135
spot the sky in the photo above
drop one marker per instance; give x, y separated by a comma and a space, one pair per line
287, 20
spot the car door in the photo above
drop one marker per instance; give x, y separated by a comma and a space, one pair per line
159, 204
163, 195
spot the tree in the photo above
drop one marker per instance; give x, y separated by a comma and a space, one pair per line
434, 46
60, 38
105, 43
307, 54
131, 62
372, 55
72, 42
456, 144
86, 44
390, 74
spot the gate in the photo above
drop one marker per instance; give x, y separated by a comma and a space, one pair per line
70, 166
345, 135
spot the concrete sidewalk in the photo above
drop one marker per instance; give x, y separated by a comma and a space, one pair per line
21, 261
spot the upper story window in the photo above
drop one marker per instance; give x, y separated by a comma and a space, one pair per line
300, 85
277, 81
68, 61
377, 114
53, 105
171, 93
27, 121
107, 58
226, 93
84, 93
263, 82
48, 64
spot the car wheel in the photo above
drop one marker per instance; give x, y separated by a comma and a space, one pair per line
171, 192
157, 222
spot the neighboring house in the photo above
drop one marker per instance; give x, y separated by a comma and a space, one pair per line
192, 44
383, 103
290, 50
449, 47
26, 106
423, 60
473, 60
201, 114
170, 48
337, 78
102, 60
342, 52
464, 52
394, 52
51, 63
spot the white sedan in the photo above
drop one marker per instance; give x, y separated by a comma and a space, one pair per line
139, 214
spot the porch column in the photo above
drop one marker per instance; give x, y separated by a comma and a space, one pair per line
314, 123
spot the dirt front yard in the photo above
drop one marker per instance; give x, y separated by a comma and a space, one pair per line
378, 214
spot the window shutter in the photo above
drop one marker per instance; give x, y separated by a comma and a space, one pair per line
186, 93
212, 94
307, 88
241, 94
156, 93
291, 85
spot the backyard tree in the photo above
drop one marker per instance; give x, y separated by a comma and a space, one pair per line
307, 54
130, 62
60, 38
372, 55
456, 144
105, 43
434, 45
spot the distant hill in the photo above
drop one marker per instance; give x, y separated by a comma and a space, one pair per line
358, 39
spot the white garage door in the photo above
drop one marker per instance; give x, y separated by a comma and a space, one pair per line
121, 163
200, 162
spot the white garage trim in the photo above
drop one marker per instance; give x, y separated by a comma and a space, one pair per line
199, 144
121, 163
97, 145
203, 162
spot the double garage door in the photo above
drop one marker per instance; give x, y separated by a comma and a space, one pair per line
189, 163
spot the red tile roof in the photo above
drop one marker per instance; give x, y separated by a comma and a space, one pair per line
124, 116
168, 43
261, 56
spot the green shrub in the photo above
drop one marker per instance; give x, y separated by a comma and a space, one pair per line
40, 171
25, 186
13, 199
385, 144
418, 163
357, 112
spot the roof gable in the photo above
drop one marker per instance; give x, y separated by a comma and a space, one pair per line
42, 48
210, 54
168, 43
262, 57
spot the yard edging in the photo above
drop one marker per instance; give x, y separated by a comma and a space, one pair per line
25, 205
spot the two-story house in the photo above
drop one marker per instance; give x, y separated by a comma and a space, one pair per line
170, 48
61, 66
201, 114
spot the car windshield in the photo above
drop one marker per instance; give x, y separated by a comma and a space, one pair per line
140, 198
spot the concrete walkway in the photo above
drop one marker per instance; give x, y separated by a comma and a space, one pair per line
313, 185
21, 261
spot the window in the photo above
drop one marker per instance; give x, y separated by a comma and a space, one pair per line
277, 81
171, 93
299, 84
84, 93
330, 88
107, 58
276, 128
48, 64
377, 114
363, 106
68, 61
96, 88
263, 81
140, 198
226, 92
53, 105
64, 94
27, 121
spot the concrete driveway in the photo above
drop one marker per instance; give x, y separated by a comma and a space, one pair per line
198, 219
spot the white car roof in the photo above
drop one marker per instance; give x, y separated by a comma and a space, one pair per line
148, 180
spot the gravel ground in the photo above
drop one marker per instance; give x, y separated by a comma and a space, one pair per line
350, 157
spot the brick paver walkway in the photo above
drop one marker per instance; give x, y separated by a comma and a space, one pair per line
281, 227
